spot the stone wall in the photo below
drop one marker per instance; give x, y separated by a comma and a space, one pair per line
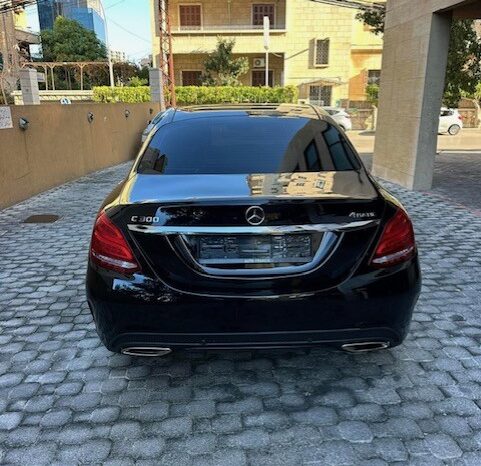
61, 144
56, 96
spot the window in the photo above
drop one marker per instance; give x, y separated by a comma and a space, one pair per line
374, 77
320, 95
247, 144
190, 16
191, 78
259, 10
322, 52
259, 78
313, 161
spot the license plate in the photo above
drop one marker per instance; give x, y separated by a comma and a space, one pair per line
254, 249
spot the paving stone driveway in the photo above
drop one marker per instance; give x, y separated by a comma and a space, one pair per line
64, 399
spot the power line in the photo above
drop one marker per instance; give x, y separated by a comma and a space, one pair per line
354, 4
129, 32
115, 4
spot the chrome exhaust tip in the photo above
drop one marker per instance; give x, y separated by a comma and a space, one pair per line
365, 347
146, 351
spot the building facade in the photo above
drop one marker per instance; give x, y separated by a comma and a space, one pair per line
86, 12
117, 56
15, 41
319, 48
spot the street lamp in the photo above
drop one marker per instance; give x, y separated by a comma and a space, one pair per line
267, 26
109, 57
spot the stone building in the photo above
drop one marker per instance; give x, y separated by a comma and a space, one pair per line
322, 49
15, 41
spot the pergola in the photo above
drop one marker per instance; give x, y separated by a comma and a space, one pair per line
51, 65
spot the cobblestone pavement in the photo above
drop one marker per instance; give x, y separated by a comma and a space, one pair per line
64, 399
457, 177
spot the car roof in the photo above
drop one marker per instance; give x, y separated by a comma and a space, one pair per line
248, 109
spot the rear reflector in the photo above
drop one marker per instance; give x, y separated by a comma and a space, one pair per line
109, 248
397, 243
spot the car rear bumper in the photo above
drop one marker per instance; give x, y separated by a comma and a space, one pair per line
376, 306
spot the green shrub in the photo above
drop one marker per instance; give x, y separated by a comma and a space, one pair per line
200, 95
129, 95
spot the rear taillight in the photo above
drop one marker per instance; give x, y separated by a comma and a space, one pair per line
109, 248
461, 117
397, 243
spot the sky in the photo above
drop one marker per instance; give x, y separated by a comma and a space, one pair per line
128, 24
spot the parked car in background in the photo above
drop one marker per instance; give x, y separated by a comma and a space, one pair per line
450, 121
251, 226
155, 121
340, 116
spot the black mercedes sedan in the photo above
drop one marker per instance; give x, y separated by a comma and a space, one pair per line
250, 227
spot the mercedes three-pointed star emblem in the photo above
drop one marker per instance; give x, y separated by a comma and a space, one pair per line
255, 215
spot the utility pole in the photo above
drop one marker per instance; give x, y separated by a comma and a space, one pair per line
166, 58
107, 45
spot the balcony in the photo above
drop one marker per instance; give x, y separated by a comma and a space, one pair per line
217, 17
250, 42
227, 29
195, 27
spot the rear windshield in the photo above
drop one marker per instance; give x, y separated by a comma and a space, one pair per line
247, 144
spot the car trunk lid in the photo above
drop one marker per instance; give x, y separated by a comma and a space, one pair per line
315, 229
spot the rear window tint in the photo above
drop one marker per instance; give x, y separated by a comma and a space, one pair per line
247, 144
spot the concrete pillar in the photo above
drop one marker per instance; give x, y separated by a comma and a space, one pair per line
29, 86
156, 81
412, 82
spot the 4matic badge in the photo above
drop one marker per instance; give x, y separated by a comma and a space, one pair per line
362, 215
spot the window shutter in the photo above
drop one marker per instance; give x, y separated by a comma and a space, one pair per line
190, 15
191, 78
322, 52
259, 10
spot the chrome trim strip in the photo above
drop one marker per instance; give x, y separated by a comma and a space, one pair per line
250, 230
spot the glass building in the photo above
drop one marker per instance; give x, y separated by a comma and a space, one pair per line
86, 12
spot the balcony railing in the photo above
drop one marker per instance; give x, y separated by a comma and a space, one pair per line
228, 27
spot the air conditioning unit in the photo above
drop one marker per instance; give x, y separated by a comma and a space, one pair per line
259, 63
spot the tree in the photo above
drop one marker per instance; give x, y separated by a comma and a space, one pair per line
464, 59
221, 68
464, 63
373, 18
124, 72
70, 41
372, 94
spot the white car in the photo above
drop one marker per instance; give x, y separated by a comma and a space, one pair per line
340, 116
450, 121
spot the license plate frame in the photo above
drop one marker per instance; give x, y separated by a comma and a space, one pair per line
296, 249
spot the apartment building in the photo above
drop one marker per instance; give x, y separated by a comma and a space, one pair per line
15, 41
322, 49
118, 56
